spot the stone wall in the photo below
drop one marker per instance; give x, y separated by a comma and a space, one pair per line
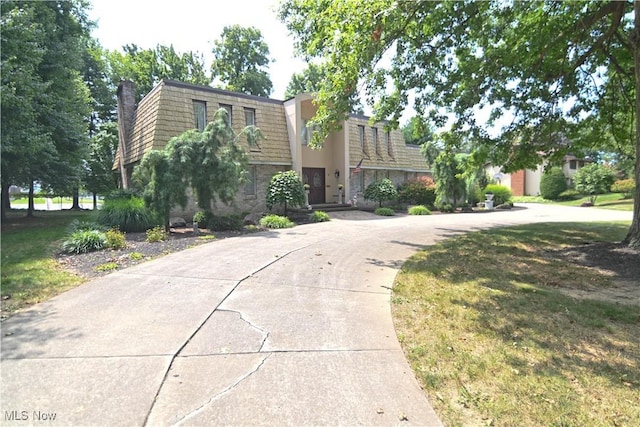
243, 203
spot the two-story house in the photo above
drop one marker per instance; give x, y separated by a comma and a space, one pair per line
172, 108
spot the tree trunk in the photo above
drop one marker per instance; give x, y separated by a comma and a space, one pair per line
30, 205
76, 199
6, 201
633, 237
95, 201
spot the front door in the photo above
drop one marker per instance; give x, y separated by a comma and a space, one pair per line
315, 178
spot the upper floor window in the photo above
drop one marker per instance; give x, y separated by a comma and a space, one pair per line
572, 164
374, 138
250, 120
200, 114
307, 132
229, 113
361, 138
249, 117
387, 142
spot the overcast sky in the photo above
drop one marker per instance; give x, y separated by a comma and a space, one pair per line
193, 25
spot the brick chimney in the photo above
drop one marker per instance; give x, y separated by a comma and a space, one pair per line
126, 112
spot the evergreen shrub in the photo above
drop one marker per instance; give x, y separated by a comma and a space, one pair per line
384, 212
552, 184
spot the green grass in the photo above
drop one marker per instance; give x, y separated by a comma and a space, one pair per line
30, 273
614, 201
493, 341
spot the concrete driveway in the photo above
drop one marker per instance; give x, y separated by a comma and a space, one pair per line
288, 327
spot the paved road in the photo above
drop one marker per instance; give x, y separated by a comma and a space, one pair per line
289, 327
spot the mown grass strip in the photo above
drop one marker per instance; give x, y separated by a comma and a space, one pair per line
494, 342
30, 273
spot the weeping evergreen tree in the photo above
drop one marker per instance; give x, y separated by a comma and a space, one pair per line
210, 162
162, 185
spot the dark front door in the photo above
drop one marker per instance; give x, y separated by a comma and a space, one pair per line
315, 178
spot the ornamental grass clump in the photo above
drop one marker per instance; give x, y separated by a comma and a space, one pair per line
419, 210
276, 221
319, 216
128, 214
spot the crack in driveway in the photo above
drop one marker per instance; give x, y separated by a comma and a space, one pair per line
223, 392
266, 333
216, 308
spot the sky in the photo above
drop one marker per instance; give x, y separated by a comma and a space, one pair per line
193, 25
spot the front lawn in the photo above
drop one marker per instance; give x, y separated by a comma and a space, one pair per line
30, 273
499, 339
615, 201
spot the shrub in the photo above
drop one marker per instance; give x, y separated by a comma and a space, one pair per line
384, 212
569, 194
475, 194
446, 208
84, 241
127, 214
156, 234
593, 179
381, 191
285, 188
624, 186
552, 183
225, 223
419, 210
501, 194
121, 193
78, 225
202, 218
319, 216
276, 221
115, 239
421, 191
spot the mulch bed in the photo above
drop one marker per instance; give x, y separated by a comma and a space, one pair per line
95, 264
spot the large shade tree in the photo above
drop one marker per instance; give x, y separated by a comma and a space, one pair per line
310, 80
146, 67
45, 103
241, 60
547, 69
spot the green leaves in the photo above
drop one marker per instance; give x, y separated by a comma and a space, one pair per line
241, 59
381, 191
285, 188
593, 179
210, 162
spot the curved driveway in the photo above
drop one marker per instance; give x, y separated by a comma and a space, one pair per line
289, 327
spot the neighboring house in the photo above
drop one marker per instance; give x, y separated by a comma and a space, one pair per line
172, 108
527, 182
